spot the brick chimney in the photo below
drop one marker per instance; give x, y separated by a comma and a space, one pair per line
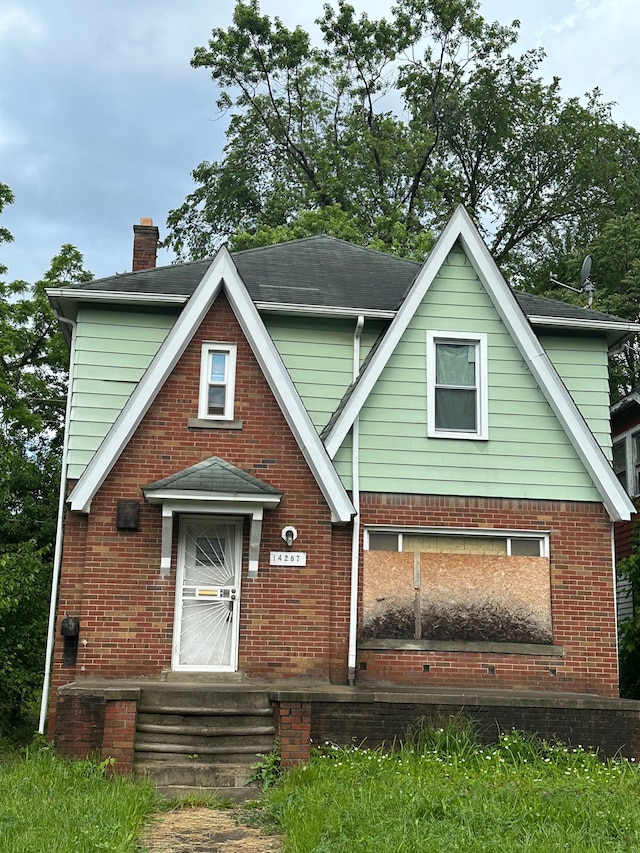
145, 244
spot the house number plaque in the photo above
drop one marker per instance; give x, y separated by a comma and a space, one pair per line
288, 558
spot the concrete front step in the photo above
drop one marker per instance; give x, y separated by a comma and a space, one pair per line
204, 700
236, 794
196, 740
203, 749
185, 709
197, 776
205, 731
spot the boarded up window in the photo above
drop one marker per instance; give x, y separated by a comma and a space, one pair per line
447, 587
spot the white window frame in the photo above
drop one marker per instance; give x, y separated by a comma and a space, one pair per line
464, 532
230, 351
482, 384
632, 458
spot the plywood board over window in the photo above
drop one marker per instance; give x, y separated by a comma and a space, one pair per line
458, 588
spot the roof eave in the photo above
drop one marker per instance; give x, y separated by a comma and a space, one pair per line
617, 333
159, 496
65, 300
323, 310
626, 402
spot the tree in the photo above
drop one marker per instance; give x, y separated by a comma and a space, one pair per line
629, 645
379, 132
615, 273
33, 375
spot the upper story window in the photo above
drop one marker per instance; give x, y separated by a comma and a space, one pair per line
626, 461
457, 382
217, 381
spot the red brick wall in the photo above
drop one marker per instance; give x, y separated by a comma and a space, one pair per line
624, 537
111, 579
340, 602
582, 598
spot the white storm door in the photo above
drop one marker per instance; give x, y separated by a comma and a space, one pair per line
205, 636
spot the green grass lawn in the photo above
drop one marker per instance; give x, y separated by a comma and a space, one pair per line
441, 792
447, 793
51, 805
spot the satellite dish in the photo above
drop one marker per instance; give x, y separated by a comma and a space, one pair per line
586, 285
585, 271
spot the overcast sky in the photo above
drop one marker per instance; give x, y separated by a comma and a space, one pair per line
102, 118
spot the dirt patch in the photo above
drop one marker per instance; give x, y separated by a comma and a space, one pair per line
206, 830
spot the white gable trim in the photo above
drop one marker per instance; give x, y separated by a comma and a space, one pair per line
222, 272
461, 227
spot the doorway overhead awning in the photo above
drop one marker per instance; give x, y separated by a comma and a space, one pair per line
212, 486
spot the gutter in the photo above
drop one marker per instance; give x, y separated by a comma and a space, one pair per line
355, 537
57, 557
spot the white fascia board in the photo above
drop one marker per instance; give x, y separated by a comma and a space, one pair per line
283, 389
66, 300
323, 311
589, 325
617, 333
461, 227
414, 297
175, 496
76, 295
152, 380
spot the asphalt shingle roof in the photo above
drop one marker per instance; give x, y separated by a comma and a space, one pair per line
323, 272
214, 475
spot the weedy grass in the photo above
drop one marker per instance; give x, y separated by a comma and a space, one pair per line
52, 804
444, 791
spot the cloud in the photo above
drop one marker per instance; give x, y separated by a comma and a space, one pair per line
16, 24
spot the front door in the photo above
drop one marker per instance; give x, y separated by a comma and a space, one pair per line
208, 595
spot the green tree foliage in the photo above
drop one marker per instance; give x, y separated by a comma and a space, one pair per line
615, 273
25, 579
33, 374
378, 132
629, 568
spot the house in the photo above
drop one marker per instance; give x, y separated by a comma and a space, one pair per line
339, 473
625, 429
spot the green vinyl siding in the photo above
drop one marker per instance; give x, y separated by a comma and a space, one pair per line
527, 455
318, 354
112, 350
582, 363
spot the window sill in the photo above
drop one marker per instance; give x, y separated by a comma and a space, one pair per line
205, 423
460, 436
537, 649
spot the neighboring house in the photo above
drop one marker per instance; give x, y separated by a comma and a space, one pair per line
319, 463
625, 429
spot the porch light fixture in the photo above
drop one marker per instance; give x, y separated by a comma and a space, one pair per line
289, 534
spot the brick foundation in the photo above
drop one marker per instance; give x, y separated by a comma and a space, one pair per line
101, 721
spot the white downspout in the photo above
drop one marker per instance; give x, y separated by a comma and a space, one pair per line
57, 556
355, 499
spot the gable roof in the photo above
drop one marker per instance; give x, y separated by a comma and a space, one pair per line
213, 475
461, 228
220, 274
